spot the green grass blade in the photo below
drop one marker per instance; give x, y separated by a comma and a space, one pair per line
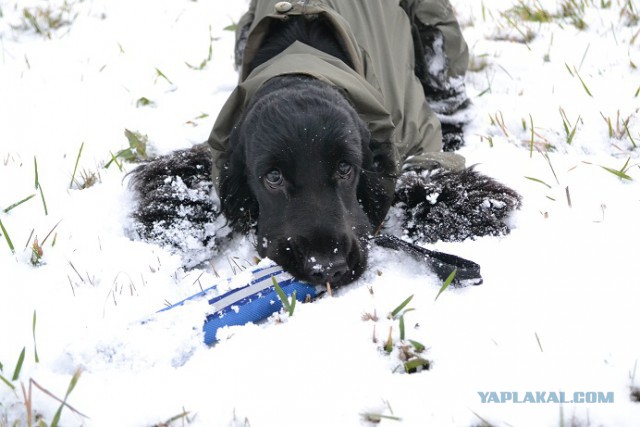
293, 303
16, 204
584, 85
161, 74
573, 132
447, 282
419, 347
568, 69
75, 168
532, 137
399, 308
565, 123
72, 385
49, 234
16, 371
530, 178
143, 101
618, 173
414, 364
44, 202
7, 238
114, 159
6, 381
626, 127
73, 382
35, 166
183, 416
33, 330
401, 326
388, 345
281, 295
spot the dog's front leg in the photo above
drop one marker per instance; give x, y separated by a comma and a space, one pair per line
453, 205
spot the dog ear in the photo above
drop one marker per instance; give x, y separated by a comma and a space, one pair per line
237, 201
377, 180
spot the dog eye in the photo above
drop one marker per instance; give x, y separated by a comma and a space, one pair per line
344, 170
274, 178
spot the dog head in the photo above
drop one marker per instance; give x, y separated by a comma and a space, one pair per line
301, 169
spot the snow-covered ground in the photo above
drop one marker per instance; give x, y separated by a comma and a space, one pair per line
558, 311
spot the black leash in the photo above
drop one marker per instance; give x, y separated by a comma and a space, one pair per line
467, 272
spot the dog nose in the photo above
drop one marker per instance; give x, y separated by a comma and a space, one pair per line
321, 271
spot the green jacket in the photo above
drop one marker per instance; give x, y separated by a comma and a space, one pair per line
383, 87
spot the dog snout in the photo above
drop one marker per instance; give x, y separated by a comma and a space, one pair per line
326, 270
319, 259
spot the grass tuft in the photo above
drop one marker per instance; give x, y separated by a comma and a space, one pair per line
574, 11
45, 20
630, 14
622, 172
534, 13
137, 151
88, 179
570, 131
144, 102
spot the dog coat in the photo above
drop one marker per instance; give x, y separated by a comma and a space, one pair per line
382, 86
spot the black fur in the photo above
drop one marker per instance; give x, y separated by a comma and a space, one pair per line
175, 201
453, 206
312, 30
313, 224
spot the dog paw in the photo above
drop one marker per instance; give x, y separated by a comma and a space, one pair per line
175, 207
453, 206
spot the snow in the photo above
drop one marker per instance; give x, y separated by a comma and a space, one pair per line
557, 311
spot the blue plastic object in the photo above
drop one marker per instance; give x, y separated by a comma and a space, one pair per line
252, 302
258, 299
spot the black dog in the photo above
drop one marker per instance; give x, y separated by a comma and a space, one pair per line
300, 161
302, 169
